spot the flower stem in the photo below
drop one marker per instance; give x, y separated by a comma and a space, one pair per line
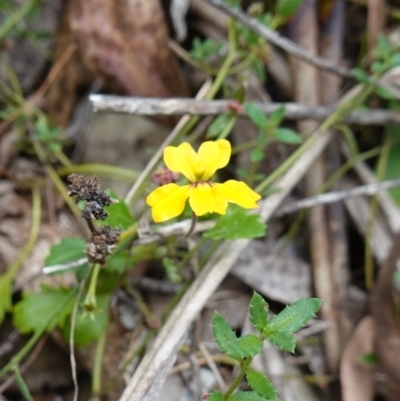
90, 300
243, 370
97, 364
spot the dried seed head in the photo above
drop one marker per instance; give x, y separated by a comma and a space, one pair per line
88, 189
101, 244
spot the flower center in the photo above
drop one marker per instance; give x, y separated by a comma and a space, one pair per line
200, 183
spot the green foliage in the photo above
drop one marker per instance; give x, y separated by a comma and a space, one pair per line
89, 329
286, 135
215, 396
43, 311
237, 348
237, 223
119, 215
246, 396
281, 328
261, 385
201, 49
68, 250
218, 127
48, 136
258, 312
287, 8
256, 115
295, 316
5, 294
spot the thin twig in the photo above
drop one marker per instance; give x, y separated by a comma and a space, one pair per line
278, 40
72, 338
330, 197
179, 106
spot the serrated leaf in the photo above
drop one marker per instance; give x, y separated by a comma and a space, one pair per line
286, 8
246, 396
224, 336
256, 115
5, 295
295, 316
248, 345
261, 385
237, 223
89, 329
281, 339
258, 312
287, 135
215, 396
360, 75
218, 125
44, 310
68, 250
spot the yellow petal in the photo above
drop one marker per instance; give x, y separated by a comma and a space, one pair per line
214, 155
238, 192
167, 201
183, 159
221, 203
202, 199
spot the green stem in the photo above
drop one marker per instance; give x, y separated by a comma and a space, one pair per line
243, 370
104, 170
22, 385
97, 364
335, 117
90, 300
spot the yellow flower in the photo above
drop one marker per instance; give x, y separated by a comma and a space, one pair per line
204, 196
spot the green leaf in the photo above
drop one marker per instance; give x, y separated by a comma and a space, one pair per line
295, 316
68, 250
246, 396
277, 116
218, 125
201, 49
248, 345
286, 8
384, 93
237, 223
89, 329
383, 47
119, 261
360, 75
43, 310
287, 135
224, 336
281, 339
258, 312
119, 215
256, 115
5, 294
215, 396
261, 385
256, 155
